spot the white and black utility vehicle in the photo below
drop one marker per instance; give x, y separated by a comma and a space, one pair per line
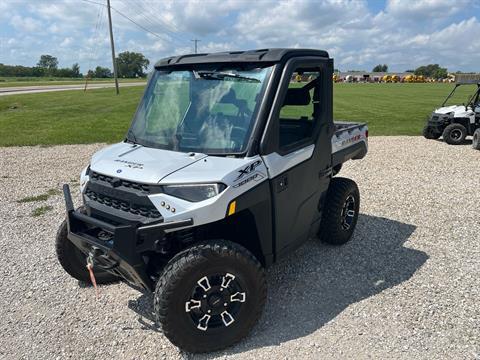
228, 166
455, 122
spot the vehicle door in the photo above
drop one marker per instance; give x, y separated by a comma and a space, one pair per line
296, 148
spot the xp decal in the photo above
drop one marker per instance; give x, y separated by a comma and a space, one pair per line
248, 169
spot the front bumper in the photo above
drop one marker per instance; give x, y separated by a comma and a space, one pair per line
438, 122
124, 246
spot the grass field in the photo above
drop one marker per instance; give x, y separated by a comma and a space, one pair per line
75, 117
38, 81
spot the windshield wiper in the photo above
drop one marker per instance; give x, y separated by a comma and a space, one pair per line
131, 133
222, 75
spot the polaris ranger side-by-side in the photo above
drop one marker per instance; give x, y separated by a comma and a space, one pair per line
455, 122
227, 167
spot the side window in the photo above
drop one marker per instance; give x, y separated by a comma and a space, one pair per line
299, 112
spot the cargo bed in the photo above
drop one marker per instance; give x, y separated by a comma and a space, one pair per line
349, 141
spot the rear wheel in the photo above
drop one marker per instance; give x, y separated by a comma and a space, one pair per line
454, 134
210, 296
476, 139
430, 133
340, 212
74, 261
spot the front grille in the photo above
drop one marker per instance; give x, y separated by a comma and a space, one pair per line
124, 195
147, 211
120, 182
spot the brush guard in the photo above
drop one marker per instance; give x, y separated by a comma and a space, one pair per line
123, 245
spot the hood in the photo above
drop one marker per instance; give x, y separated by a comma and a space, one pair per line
140, 164
448, 109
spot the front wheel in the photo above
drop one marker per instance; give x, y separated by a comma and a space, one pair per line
476, 139
210, 296
454, 134
429, 133
74, 262
340, 213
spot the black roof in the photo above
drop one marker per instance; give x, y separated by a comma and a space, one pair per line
261, 55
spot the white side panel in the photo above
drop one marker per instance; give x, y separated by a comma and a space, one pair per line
345, 139
277, 164
240, 175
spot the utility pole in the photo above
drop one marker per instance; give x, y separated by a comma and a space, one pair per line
115, 74
195, 41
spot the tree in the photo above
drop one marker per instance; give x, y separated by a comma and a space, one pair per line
131, 64
432, 70
76, 70
38, 71
48, 62
380, 68
102, 72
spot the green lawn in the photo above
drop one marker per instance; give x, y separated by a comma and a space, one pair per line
67, 117
39, 81
75, 117
393, 109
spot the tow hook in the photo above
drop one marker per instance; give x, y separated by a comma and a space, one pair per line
90, 264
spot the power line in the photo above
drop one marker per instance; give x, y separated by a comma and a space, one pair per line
126, 17
98, 30
154, 21
94, 2
95, 44
140, 26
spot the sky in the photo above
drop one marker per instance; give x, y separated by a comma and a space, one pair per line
358, 34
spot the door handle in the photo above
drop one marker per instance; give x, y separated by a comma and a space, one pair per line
282, 184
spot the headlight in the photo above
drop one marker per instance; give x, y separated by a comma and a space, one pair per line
84, 176
194, 192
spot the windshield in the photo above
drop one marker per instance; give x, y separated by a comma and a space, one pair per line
461, 95
207, 111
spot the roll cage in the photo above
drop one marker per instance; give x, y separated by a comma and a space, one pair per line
472, 101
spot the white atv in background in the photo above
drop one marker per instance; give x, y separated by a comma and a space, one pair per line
227, 167
454, 123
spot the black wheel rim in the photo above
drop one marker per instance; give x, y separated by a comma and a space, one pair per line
348, 212
456, 134
215, 301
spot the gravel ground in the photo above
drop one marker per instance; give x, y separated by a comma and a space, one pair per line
406, 286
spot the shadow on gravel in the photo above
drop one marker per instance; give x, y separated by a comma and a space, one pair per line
317, 282
465, 142
143, 306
